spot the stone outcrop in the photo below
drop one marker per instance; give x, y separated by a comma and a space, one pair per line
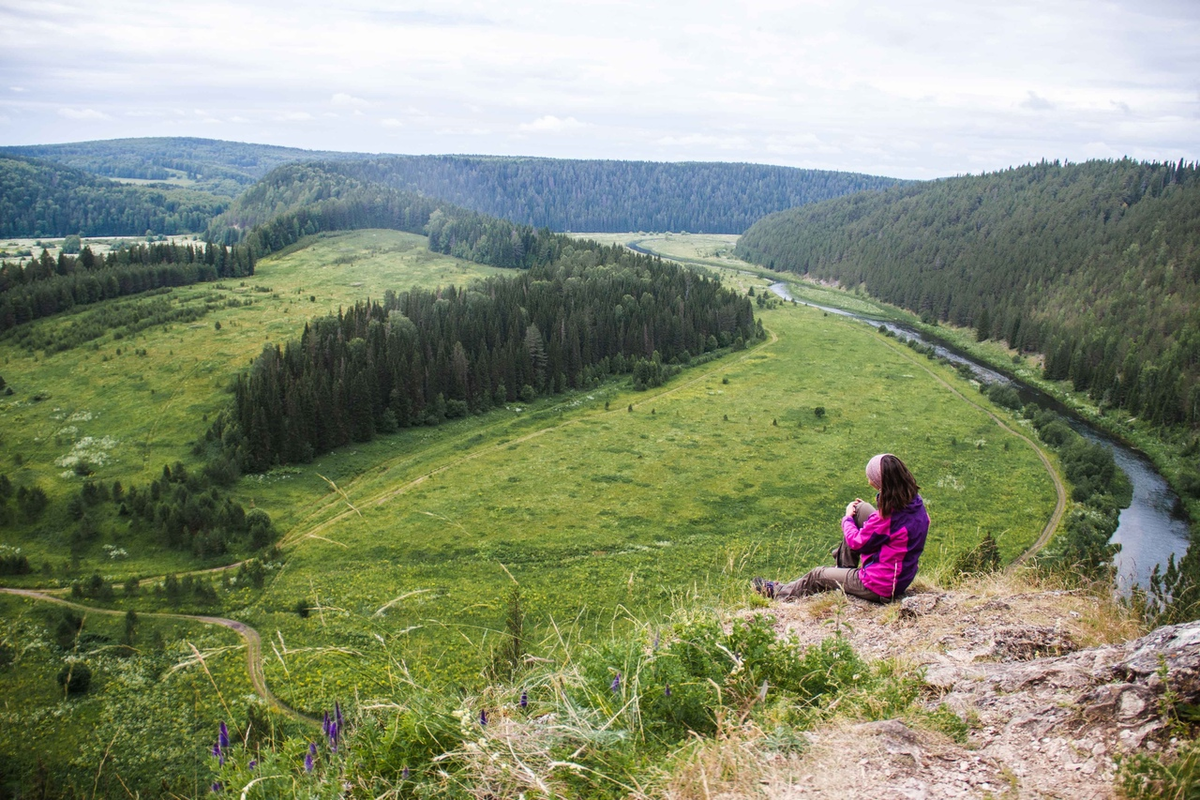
1050, 694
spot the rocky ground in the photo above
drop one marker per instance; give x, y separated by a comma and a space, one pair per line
1054, 684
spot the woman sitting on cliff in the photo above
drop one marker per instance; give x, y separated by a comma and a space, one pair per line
888, 542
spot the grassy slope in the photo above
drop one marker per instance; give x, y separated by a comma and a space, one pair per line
600, 515
151, 408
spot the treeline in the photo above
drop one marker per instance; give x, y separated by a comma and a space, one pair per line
420, 357
303, 199
222, 168
595, 195
48, 285
1096, 265
561, 194
300, 200
39, 198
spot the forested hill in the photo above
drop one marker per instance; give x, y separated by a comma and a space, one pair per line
569, 195
561, 194
212, 165
40, 198
1097, 265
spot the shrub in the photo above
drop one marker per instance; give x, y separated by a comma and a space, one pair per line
75, 678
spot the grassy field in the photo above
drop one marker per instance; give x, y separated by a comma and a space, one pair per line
149, 713
129, 404
605, 507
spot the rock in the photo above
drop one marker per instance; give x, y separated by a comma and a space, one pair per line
1025, 642
918, 605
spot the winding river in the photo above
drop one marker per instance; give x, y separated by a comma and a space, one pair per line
1148, 530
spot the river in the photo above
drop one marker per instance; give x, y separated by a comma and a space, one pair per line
1148, 530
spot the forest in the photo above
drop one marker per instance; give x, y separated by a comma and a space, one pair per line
580, 315
1095, 265
595, 196
222, 168
39, 198
561, 194
48, 285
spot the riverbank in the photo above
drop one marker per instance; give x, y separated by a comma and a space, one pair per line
1168, 457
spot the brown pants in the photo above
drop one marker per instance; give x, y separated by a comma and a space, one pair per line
844, 576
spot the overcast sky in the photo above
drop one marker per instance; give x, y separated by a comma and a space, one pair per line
905, 89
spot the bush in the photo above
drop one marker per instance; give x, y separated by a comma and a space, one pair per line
1003, 394
75, 678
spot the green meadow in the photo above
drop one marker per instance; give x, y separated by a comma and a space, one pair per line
604, 507
127, 403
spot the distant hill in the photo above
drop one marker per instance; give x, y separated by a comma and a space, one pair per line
1097, 265
40, 198
561, 194
211, 165
596, 196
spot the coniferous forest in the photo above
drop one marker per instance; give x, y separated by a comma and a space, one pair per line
39, 198
1095, 265
417, 358
562, 194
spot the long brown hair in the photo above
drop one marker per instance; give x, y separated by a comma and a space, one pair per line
897, 486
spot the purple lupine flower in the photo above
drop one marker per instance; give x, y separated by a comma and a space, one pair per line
252, 765
616, 683
325, 724
667, 690
333, 736
308, 762
312, 749
223, 737
524, 700
483, 717
216, 787
219, 754
404, 775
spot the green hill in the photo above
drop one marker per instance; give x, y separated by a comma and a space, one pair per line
561, 194
224, 168
1096, 265
40, 198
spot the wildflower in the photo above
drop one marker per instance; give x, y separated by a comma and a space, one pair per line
253, 763
615, 686
223, 737
483, 717
218, 754
308, 762
312, 749
404, 775
216, 787
524, 700
333, 736
325, 724
667, 690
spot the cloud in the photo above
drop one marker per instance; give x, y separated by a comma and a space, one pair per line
391, 122
1035, 102
295, 116
551, 124
343, 100
17, 89
82, 113
706, 140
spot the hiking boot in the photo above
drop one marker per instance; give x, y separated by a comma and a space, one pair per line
764, 587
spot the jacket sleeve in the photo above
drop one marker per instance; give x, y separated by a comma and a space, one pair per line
873, 535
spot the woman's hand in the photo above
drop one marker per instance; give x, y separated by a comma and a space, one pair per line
852, 507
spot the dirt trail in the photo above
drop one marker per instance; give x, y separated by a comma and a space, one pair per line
254, 661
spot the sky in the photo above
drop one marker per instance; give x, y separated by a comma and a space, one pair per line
908, 89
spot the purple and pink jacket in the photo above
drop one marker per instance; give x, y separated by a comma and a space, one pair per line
889, 547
